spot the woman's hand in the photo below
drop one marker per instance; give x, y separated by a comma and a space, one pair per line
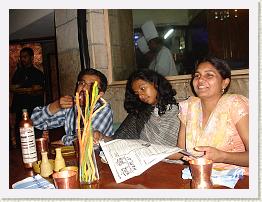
187, 158
212, 153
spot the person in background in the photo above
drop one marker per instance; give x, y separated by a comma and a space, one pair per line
163, 62
62, 112
215, 123
144, 55
152, 109
27, 86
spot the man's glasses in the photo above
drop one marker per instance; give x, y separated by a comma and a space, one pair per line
84, 83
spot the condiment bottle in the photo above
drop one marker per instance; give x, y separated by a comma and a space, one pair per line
59, 160
27, 136
46, 168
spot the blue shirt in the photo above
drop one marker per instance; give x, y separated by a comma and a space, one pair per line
43, 119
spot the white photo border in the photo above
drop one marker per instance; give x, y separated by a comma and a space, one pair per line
251, 193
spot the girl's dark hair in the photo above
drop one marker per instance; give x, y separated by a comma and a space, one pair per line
165, 96
220, 65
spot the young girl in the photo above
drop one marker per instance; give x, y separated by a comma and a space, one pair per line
152, 109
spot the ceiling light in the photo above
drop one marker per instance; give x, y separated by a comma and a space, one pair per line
168, 33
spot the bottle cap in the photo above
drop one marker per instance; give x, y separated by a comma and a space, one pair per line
24, 110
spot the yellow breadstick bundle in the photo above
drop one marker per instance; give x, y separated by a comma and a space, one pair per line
87, 165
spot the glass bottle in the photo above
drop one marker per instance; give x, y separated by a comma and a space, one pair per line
27, 136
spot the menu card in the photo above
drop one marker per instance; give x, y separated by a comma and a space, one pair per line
129, 158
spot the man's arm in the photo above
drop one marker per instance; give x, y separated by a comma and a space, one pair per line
103, 121
18, 76
53, 115
63, 103
43, 119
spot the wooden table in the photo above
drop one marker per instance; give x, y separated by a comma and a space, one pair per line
160, 176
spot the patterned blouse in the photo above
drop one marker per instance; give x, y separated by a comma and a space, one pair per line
220, 130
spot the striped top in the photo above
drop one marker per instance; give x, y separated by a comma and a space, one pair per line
155, 129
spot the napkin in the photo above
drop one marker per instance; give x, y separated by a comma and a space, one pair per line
34, 182
226, 178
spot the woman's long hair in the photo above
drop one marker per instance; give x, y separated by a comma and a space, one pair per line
165, 95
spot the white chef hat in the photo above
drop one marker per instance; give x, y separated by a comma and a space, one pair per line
142, 45
149, 30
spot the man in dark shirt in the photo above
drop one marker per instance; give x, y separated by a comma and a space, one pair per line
27, 86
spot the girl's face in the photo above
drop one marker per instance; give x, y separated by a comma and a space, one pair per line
208, 82
146, 91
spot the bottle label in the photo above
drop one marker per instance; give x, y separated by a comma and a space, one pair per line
28, 145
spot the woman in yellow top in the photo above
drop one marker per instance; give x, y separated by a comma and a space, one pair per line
214, 123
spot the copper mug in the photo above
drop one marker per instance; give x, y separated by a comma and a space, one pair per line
67, 179
201, 170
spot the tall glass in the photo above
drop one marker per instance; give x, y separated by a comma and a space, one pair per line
88, 169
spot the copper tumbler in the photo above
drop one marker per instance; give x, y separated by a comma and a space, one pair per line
67, 179
201, 170
41, 146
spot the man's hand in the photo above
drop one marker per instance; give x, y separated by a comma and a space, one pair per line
66, 102
97, 136
63, 103
36, 87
